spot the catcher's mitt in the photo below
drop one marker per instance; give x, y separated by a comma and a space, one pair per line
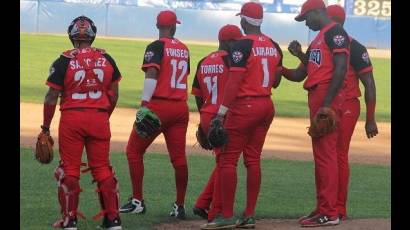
202, 138
323, 123
147, 123
217, 134
44, 147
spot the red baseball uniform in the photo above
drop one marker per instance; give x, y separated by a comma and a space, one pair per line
84, 76
359, 63
248, 119
209, 82
330, 40
169, 101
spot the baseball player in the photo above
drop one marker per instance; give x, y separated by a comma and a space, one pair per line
246, 111
326, 66
87, 80
166, 67
208, 85
360, 68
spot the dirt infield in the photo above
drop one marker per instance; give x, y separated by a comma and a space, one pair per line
286, 224
287, 138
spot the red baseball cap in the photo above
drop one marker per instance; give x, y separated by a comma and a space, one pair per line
252, 9
167, 18
337, 13
308, 6
229, 32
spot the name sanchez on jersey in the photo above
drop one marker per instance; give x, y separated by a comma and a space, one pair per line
101, 62
182, 53
210, 69
264, 51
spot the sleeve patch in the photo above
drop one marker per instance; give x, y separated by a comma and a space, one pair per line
148, 55
339, 40
365, 57
237, 56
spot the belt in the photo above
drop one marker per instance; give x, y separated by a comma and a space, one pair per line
165, 98
88, 109
253, 97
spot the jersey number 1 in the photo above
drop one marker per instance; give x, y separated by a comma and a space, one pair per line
176, 83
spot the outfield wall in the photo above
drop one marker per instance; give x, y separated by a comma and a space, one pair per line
198, 25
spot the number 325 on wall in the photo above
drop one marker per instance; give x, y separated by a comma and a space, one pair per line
376, 8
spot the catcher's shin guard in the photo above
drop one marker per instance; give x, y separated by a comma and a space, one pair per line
68, 195
109, 198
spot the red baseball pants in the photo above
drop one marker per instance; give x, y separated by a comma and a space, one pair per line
174, 123
247, 123
325, 154
89, 128
348, 120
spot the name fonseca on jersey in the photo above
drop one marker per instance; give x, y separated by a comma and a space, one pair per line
182, 53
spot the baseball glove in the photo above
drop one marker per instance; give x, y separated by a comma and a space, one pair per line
217, 134
323, 123
44, 147
202, 138
147, 123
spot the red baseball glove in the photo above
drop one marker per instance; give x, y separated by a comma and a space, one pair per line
323, 123
44, 147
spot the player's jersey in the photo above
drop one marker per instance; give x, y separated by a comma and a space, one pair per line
260, 58
84, 77
331, 39
359, 63
210, 78
171, 58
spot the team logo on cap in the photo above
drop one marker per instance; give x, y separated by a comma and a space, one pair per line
339, 40
237, 56
365, 57
148, 55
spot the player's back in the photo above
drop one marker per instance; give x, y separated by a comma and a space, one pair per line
359, 63
171, 57
210, 79
84, 75
263, 59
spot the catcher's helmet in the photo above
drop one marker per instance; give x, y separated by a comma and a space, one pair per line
82, 29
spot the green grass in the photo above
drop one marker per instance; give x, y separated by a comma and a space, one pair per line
287, 190
37, 52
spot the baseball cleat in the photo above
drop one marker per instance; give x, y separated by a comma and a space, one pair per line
71, 224
311, 214
320, 220
342, 217
108, 224
203, 213
220, 223
133, 206
246, 222
178, 211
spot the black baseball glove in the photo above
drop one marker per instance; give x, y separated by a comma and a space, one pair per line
217, 134
147, 123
